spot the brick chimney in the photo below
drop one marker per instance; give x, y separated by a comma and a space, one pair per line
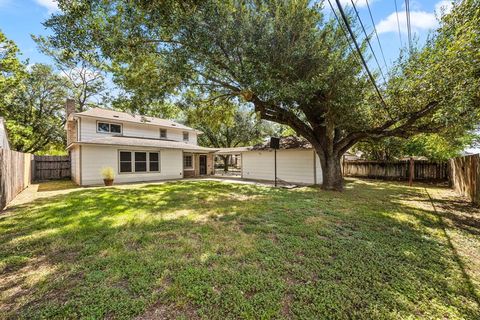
70, 106
71, 123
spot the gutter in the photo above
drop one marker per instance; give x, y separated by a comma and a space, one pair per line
141, 123
204, 150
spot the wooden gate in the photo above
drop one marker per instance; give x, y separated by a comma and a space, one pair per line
51, 167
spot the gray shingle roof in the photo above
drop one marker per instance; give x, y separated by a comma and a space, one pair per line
124, 116
290, 142
236, 150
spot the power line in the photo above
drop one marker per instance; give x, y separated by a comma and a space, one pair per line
352, 35
344, 32
407, 12
398, 24
368, 40
376, 34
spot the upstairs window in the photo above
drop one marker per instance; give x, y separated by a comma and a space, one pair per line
105, 127
185, 136
163, 133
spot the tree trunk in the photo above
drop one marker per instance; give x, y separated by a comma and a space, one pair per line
332, 173
225, 162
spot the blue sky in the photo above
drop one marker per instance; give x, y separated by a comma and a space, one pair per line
20, 18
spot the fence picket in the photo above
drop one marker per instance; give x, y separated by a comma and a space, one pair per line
52, 167
15, 174
396, 170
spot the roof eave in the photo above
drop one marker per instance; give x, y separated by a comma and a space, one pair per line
129, 145
79, 114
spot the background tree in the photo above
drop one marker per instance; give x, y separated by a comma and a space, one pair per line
284, 58
11, 71
84, 71
35, 115
226, 125
432, 146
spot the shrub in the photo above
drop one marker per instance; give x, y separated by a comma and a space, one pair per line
108, 173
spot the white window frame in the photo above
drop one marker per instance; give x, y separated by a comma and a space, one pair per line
148, 161
132, 157
187, 136
193, 163
109, 127
166, 133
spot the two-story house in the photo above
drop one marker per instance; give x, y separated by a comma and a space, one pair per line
138, 148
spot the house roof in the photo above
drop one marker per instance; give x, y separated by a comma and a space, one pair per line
142, 142
129, 117
290, 142
236, 150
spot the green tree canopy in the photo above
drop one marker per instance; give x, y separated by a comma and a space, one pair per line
35, 115
226, 124
433, 146
84, 71
284, 58
12, 70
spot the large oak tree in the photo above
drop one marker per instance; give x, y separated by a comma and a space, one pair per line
226, 124
293, 65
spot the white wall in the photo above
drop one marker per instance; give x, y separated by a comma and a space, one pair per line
88, 131
319, 170
296, 166
75, 164
3, 136
94, 158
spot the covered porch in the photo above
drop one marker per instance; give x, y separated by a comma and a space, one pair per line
197, 164
228, 162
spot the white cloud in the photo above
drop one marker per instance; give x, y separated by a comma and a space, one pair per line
50, 5
358, 3
419, 21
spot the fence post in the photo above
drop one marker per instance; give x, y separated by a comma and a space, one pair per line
412, 168
473, 179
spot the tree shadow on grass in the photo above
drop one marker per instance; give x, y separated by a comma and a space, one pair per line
215, 250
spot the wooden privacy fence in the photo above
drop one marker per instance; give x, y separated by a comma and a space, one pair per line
15, 174
396, 170
51, 167
465, 177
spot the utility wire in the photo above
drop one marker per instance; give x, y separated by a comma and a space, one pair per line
368, 41
352, 35
407, 12
344, 32
376, 34
398, 24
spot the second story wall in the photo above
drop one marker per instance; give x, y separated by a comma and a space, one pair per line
88, 131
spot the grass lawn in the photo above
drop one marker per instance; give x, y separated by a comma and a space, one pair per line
204, 249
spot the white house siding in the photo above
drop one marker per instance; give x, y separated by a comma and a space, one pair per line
89, 130
318, 166
94, 158
75, 164
3, 136
293, 165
